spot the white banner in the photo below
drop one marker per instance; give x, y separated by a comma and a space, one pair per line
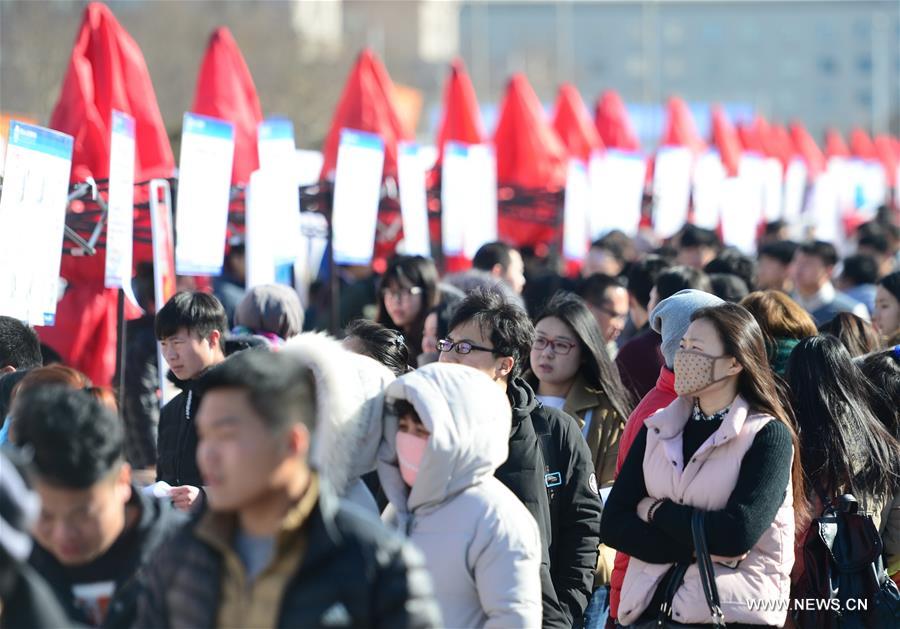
357, 193
32, 221
204, 189
616, 192
671, 189
481, 226
575, 211
262, 227
709, 177
413, 200
120, 221
794, 195
275, 145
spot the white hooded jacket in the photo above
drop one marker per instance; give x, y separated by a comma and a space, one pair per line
481, 545
349, 404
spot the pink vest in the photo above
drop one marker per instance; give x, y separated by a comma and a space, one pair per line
707, 482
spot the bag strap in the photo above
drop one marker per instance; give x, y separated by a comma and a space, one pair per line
675, 579
705, 566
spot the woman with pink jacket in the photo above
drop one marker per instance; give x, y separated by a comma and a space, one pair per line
724, 446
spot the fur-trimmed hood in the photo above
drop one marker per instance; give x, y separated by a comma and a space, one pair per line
349, 406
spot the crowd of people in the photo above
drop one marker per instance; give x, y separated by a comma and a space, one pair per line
659, 441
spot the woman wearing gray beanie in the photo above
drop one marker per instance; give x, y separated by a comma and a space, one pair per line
272, 311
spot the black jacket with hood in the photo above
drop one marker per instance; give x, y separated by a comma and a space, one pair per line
157, 523
550, 469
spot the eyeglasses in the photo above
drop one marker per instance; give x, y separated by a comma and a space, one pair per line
612, 314
402, 294
462, 347
559, 347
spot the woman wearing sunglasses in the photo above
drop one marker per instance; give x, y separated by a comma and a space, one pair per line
571, 370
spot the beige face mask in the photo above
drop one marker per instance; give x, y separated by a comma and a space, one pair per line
694, 371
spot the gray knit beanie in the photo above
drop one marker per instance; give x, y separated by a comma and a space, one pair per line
675, 312
272, 308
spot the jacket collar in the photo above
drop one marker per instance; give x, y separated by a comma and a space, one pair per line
666, 380
581, 397
669, 422
521, 398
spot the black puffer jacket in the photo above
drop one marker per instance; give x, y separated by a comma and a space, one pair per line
177, 442
157, 523
565, 480
352, 564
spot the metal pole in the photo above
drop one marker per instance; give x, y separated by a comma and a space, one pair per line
121, 350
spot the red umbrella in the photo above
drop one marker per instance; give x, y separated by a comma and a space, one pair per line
889, 156
726, 141
680, 128
573, 123
106, 71
461, 120
613, 125
861, 145
808, 149
225, 90
835, 145
366, 105
782, 144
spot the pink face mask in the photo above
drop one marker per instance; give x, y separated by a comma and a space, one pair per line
410, 450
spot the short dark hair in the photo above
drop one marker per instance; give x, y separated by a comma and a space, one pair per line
491, 254
693, 236
875, 236
782, 251
773, 227
642, 276
730, 260
19, 345
728, 287
511, 331
382, 344
277, 385
825, 251
891, 283
617, 243
860, 269
593, 288
76, 440
200, 313
679, 278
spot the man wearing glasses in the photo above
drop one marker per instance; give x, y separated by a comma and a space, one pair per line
607, 299
549, 466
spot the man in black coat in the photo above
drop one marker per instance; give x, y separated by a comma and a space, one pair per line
549, 466
191, 332
96, 530
275, 548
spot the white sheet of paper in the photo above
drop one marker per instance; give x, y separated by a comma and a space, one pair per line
357, 194
32, 220
616, 192
709, 175
794, 196
671, 189
773, 185
275, 144
413, 200
204, 189
456, 197
120, 221
159, 489
262, 227
481, 225
575, 211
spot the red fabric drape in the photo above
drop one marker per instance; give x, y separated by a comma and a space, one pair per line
782, 144
613, 125
225, 90
835, 145
806, 146
889, 156
572, 122
366, 105
680, 129
861, 145
461, 119
106, 71
726, 141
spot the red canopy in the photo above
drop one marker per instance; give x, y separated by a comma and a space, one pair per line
225, 90
106, 71
808, 149
573, 123
529, 153
726, 141
782, 144
835, 145
366, 105
861, 145
680, 128
461, 121
611, 119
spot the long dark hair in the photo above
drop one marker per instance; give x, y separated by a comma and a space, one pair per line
843, 445
406, 272
382, 344
742, 338
597, 367
883, 370
855, 333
